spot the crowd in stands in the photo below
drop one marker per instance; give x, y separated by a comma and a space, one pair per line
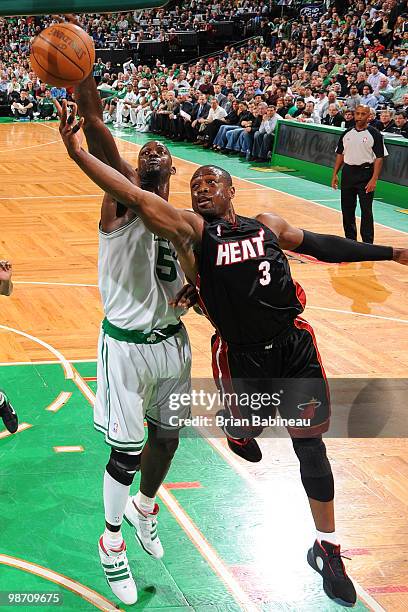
305, 70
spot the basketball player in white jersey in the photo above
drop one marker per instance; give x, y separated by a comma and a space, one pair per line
144, 355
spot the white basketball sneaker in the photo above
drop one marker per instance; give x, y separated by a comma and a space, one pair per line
145, 527
115, 564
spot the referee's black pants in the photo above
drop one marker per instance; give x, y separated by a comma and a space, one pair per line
353, 183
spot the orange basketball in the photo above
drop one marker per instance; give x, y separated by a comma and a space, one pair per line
62, 54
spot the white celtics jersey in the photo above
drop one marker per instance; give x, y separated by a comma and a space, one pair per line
138, 274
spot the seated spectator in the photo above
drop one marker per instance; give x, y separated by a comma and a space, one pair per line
353, 99
368, 98
263, 137
374, 122
297, 109
111, 102
309, 114
46, 106
348, 121
387, 121
333, 117
398, 93
22, 108
243, 145
126, 107
182, 116
230, 119
401, 124
322, 104
216, 113
199, 115
220, 139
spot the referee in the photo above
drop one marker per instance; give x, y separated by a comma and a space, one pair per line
361, 149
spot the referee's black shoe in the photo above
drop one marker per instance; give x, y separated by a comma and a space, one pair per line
8, 414
326, 559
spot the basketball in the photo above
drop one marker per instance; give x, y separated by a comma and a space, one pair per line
62, 54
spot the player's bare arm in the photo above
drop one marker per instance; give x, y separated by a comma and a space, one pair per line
98, 137
326, 247
183, 228
6, 271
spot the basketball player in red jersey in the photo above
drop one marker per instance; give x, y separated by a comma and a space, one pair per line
246, 288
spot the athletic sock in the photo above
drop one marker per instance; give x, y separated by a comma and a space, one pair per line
327, 537
144, 503
115, 496
112, 540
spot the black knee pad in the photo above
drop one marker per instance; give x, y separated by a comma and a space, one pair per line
315, 469
123, 467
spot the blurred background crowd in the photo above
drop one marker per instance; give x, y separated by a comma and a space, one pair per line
314, 64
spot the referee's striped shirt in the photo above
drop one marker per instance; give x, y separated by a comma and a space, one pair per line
361, 146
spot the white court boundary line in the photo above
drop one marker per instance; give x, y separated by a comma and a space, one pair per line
181, 516
67, 367
43, 144
53, 283
83, 591
250, 182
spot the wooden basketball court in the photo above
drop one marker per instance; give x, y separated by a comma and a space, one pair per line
49, 215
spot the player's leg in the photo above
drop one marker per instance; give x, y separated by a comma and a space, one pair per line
308, 380
170, 362
231, 370
118, 477
8, 414
118, 415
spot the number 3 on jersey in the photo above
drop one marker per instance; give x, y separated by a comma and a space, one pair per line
165, 268
264, 267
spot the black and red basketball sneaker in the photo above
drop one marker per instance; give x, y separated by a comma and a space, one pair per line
326, 559
8, 414
247, 448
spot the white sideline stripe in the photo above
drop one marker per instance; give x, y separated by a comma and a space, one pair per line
49, 362
266, 186
359, 314
43, 144
53, 283
86, 593
68, 369
58, 403
207, 551
268, 178
187, 161
21, 427
68, 449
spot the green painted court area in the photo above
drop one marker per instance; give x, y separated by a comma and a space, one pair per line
52, 515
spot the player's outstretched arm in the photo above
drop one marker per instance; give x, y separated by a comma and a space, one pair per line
326, 247
98, 136
183, 228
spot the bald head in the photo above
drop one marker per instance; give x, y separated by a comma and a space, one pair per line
216, 170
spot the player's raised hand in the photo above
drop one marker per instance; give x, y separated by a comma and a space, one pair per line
401, 256
6, 270
69, 127
186, 297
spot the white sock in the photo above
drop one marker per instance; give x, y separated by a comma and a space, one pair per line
327, 537
115, 496
112, 540
2, 398
146, 504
